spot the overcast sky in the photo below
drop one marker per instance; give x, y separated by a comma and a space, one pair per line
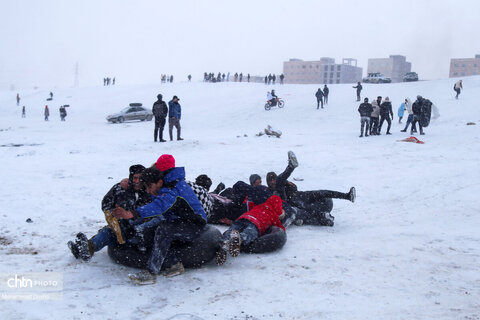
136, 41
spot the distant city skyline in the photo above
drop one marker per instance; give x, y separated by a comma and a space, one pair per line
137, 41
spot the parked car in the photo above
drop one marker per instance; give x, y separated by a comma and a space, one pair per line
410, 76
134, 111
376, 77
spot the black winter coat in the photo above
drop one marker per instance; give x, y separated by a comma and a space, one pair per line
160, 109
127, 199
386, 109
319, 94
365, 109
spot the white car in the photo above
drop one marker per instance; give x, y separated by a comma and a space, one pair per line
134, 111
376, 77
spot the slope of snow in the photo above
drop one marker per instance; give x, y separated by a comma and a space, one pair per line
408, 248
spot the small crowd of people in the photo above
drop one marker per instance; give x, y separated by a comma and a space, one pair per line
322, 96
374, 115
167, 78
270, 79
156, 207
108, 81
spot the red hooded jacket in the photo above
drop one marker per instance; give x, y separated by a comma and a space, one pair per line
265, 215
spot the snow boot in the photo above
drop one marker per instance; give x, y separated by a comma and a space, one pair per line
73, 248
404, 130
143, 277
352, 194
175, 270
234, 243
221, 255
219, 188
292, 159
84, 246
326, 220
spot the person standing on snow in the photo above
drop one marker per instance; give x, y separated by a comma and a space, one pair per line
417, 111
374, 116
359, 89
401, 111
408, 106
160, 112
46, 113
385, 113
458, 87
319, 94
325, 94
365, 109
174, 115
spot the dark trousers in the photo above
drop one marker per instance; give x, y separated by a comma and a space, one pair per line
358, 95
174, 122
364, 122
159, 125
409, 121
414, 122
458, 92
389, 121
325, 97
319, 101
165, 234
104, 237
373, 125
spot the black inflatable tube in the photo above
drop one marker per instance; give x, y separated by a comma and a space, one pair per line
192, 255
273, 240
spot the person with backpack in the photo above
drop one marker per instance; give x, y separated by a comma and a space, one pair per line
458, 87
365, 109
160, 112
319, 95
385, 114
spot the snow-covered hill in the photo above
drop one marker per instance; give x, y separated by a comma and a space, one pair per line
408, 248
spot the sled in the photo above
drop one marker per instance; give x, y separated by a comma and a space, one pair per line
412, 139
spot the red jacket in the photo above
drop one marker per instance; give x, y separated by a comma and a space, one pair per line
265, 215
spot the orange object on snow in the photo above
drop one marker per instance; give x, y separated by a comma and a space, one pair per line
412, 139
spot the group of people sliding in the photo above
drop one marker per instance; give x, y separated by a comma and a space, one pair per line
155, 208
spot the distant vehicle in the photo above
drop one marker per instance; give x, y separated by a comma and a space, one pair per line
376, 77
134, 111
410, 76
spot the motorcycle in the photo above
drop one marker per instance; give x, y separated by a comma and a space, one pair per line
278, 103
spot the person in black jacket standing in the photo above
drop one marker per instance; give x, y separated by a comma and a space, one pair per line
385, 114
160, 112
365, 109
319, 95
359, 89
417, 112
325, 94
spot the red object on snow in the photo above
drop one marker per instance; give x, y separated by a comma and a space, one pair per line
412, 139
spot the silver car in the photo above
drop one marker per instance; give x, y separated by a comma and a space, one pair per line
134, 111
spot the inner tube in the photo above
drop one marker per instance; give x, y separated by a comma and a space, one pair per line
192, 255
274, 239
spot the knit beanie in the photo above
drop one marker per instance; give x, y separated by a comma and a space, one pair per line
165, 162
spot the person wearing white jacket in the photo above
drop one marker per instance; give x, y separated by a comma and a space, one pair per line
458, 87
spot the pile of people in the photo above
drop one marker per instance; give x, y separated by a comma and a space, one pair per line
155, 216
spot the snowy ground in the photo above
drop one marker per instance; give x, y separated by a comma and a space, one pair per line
408, 248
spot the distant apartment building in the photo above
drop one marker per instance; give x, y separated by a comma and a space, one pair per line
394, 67
323, 71
465, 67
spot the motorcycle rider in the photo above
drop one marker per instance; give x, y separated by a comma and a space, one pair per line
272, 98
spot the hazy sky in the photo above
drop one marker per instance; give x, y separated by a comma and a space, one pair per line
137, 40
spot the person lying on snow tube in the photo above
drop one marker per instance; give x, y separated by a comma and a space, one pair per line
251, 226
313, 207
175, 215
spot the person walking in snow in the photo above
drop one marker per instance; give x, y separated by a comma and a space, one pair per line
63, 113
417, 112
408, 106
365, 109
325, 94
458, 87
46, 113
160, 111
18, 99
174, 115
374, 116
359, 89
385, 113
401, 111
23, 112
319, 95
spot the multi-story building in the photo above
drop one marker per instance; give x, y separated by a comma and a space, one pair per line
465, 67
321, 72
394, 67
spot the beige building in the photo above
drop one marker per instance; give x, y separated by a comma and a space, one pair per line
465, 67
394, 67
323, 71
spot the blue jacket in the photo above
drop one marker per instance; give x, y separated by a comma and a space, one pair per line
175, 201
174, 109
401, 110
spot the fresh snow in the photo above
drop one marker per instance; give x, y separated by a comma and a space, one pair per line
408, 248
